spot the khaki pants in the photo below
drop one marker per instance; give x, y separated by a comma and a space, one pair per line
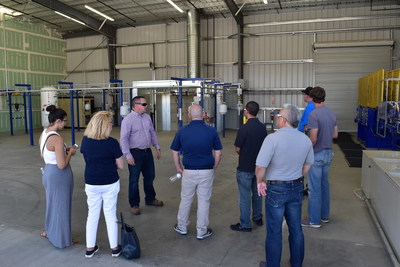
200, 182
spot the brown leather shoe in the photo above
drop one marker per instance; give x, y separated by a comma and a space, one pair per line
155, 202
135, 210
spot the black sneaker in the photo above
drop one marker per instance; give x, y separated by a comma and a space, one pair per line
239, 228
207, 234
258, 222
90, 254
176, 229
116, 252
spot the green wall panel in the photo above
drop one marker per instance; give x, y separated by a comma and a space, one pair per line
44, 45
40, 80
47, 64
1, 38
14, 40
17, 60
19, 123
27, 26
11, 77
2, 58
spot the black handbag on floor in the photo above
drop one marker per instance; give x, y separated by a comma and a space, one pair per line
129, 241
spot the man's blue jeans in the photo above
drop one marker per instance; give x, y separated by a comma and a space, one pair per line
144, 163
248, 198
284, 200
318, 187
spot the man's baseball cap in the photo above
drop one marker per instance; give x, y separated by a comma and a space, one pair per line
307, 91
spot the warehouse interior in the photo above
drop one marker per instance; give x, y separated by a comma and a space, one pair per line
221, 53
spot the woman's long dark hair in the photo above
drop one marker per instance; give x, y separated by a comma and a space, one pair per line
55, 113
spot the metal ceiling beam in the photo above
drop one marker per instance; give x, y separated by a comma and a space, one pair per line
233, 8
94, 24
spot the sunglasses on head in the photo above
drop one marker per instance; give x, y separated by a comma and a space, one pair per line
142, 104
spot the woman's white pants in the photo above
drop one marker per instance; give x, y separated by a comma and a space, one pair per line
96, 196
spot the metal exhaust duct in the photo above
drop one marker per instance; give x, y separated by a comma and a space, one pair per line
193, 43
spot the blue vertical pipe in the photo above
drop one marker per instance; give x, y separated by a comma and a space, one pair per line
77, 110
104, 100
71, 108
25, 115
30, 115
10, 113
180, 104
130, 97
215, 107
30, 111
223, 116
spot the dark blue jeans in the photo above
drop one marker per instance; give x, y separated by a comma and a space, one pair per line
284, 200
144, 163
248, 198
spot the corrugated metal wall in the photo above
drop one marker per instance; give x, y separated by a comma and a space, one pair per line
30, 53
279, 61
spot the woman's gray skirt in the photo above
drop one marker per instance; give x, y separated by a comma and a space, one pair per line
58, 185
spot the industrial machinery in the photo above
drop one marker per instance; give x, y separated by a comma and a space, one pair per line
378, 113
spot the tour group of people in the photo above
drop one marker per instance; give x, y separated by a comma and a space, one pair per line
271, 166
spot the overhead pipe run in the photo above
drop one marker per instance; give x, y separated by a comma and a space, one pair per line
140, 65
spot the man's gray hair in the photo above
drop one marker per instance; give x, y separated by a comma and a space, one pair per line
292, 115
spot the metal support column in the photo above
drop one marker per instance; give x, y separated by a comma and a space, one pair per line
10, 113
77, 110
71, 108
25, 115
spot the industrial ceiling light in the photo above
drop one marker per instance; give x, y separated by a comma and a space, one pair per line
98, 12
4, 10
68, 17
174, 5
265, 1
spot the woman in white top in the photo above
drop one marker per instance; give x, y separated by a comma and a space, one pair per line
58, 180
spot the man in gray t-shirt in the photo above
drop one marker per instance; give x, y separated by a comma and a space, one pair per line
284, 158
323, 128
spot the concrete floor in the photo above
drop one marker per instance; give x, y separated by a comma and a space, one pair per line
350, 239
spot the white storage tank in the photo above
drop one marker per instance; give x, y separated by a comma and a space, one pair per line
48, 96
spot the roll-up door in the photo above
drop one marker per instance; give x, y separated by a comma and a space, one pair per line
338, 66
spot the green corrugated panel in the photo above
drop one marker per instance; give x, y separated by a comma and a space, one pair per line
55, 34
3, 101
2, 84
12, 77
14, 40
27, 26
45, 45
1, 38
17, 60
19, 122
1, 58
47, 64
40, 80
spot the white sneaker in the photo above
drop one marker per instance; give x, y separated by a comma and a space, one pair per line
207, 234
176, 229
307, 223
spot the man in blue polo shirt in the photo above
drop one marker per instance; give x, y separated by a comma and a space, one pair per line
303, 125
197, 141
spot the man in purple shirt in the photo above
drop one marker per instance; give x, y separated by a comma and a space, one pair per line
137, 136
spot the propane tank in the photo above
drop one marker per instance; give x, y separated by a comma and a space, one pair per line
124, 110
47, 98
